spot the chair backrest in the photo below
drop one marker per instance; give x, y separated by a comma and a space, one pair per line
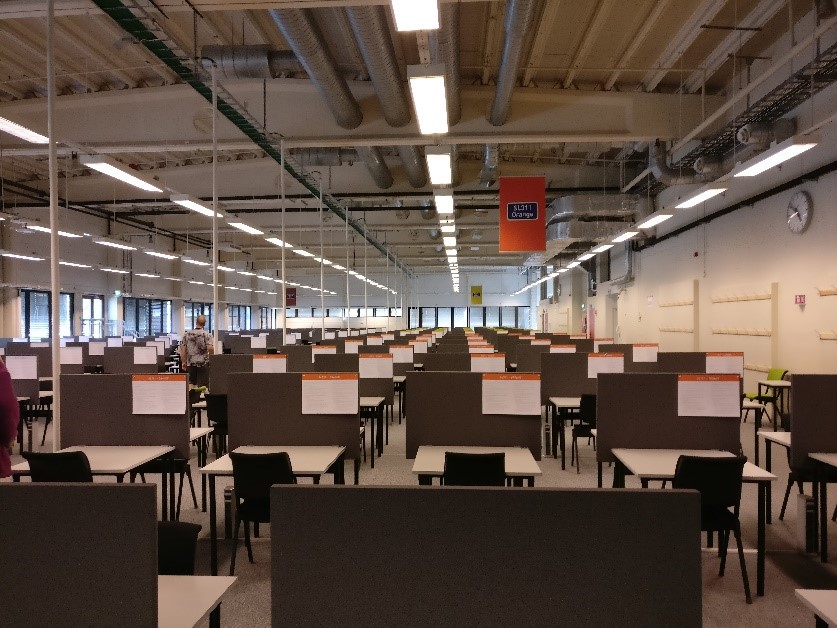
717, 479
776, 373
254, 474
465, 469
176, 543
587, 409
64, 466
216, 408
194, 395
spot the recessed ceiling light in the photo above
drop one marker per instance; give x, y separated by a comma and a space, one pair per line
700, 198
13, 128
625, 236
654, 221
163, 255
116, 170
415, 15
246, 228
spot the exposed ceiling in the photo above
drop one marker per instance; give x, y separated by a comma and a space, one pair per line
595, 83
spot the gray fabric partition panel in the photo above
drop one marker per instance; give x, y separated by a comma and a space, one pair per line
582, 346
447, 362
377, 387
340, 363
529, 358
121, 360
220, 367
299, 358
446, 556
565, 375
78, 555
681, 362
97, 410
373, 348
445, 408
44, 356
508, 345
639, 411
459, 347
628, 352
266, 409
814, 412
402, 368
29, 388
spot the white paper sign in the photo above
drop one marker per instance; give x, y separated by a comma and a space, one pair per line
165, 340
352, 345
22, 366
258, 342
374, 341
388, 336
481, 349
401, 354
645, 352
326, 350
728, 362
562, 348
715, 395
601, 341
273, 363
342, 334
96, 348
72, 355
375, 365
493, 363
419, 346
114, 342
39, 345
511, 393
161, 346
290, 339
330, 393
540, 342
164, 393
84, 339
329, 335
605, 363
145, 355
128, 339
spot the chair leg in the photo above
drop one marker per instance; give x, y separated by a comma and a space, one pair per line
787, 495
247, 543
723, 544
834, 516
737, 532
179, 496
234, 545
256, 529
191, 486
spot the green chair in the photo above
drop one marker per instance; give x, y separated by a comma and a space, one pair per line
768, 395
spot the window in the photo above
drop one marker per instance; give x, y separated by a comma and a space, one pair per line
92, 315
290, 312
460, 317
475, 318
523, 314
146, 317
507, 317
35, 312
238, 317
492, 317
414, 318
318, 312
443, 319
395, 312
193, 310
268, 317
335, 312
381, 311
428, 317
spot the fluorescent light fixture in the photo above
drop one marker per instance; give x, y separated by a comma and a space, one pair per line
697, 199
195, 205
245, 228
328, 262
561, 270
599, 249
260, 291
291, 283
625, 236
448, 228
43, 229
114, 244
572, 265
439, 164
246, 289
230, 287
278, 281
279, 242
246, 273
265, 277
450, 252
427, 86
31, 258
173, 278
163, 255
779, 154
586, 256
116, 271
148, 275
196, 283
13, 128
116, 170
415, 15
444, 203
303, 253
338, 267
225, 268
653, 221
273, 294
449, 242
75, 265
195, 262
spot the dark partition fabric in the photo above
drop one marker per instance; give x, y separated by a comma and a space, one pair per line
97, 410
377, 387
78, 555
814, 417
447, 362
266, 409
639, 411
44, 355
340, 363
473, 557
299, 358
529, 357
121, 360
681, 362
220, 367
565, 375
446, 409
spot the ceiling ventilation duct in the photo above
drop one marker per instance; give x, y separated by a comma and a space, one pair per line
665, 173
755, 139
250, 62
490, 165
520, 19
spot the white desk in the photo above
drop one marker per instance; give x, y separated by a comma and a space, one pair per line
400, 383
823, 603
306, 461
376, 405
780, 385
826, 462
560, 406
520, 464
186, 601
660, 464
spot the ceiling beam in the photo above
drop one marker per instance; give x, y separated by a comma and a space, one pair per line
542, 37
648, 24
591, 34
492, 39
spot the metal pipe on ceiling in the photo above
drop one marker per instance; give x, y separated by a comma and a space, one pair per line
520, 18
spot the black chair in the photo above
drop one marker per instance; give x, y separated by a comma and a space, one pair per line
169, 464
216, 418
464, 469
719, 482
64, 466
176, 543
587, 417
253, 475
195, 413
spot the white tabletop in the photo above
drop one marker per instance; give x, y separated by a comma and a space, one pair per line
111, 459
829, 459
659, 464
775, 383
199, 432
199, 405
44, 379
594, 432
780, 438
44, 393
430, 460
371, 402
822, 602
749, 404
305, 460
565, 402
185, 601
398, 379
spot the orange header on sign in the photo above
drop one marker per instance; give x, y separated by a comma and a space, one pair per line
725, 354
562, 346
265, 356
605, 355
720, 377
480, 356
160, 377
511, 376
378, 356
647, 344
328, 376
399, 346
522, 214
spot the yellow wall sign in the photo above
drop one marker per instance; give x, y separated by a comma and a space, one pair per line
476, 295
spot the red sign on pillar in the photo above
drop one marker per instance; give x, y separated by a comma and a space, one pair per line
522, 214
290, 296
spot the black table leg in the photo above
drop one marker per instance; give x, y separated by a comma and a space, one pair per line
599, 464
756, 436
372, 442
379, 416
424, 480
768, 462
562, 442
763, 492
340, 470
357, 470
213, 528
823, 508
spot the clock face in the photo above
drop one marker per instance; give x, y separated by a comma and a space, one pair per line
799, 212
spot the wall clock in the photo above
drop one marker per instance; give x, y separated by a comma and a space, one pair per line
800, 209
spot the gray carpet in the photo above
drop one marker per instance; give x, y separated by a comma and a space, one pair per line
787, 568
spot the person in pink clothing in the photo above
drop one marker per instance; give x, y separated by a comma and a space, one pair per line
9, 417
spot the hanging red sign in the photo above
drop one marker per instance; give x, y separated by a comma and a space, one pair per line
522, 214
290, 296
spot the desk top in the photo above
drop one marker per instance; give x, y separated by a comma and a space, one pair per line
430, 460
749, 404
371, 402
45, 379
199, 405
198, 432
111, 459
822, 602
399, 379
565, 402
780, 438
305, 460
659, 464
775, 383
829, 459
185, 601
